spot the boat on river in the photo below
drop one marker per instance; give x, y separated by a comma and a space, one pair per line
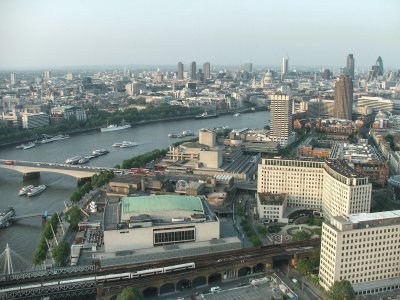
25, 190
206, 115
99, 152
60, 137
29, 146
83, 160
114, 127
73, 160
126, 144
36, 190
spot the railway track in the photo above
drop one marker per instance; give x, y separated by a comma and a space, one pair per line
202, 261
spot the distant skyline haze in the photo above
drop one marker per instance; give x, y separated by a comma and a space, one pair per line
49, 34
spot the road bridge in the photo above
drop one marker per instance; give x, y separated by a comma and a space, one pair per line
32, 169
211, 268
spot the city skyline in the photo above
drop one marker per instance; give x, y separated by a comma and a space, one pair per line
74, 34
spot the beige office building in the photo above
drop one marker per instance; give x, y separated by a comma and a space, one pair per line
331, 186
363, 249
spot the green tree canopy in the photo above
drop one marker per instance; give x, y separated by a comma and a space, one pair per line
341, 290
304, 266
301, 236
74, 217
61, 253
130, 294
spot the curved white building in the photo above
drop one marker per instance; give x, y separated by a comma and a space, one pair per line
331, 186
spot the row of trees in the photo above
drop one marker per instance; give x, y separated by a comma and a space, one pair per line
48, 233
97, 180
248, 229
141, 160
74, 216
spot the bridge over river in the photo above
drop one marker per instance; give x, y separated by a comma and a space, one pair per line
32, 169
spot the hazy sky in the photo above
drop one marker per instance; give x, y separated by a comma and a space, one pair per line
51, 33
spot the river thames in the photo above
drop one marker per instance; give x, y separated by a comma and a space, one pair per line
24, 235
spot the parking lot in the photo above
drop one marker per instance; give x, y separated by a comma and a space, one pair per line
260, 292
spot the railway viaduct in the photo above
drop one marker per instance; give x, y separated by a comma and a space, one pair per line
209, 270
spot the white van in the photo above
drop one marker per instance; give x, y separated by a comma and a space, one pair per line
215, 289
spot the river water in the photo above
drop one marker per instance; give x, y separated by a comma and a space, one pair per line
23, 236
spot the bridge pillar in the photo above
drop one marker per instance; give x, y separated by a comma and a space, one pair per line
82, 181
100, 290
31, 175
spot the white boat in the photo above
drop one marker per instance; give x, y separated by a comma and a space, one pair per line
99, 152
25, 190
117, 144
83, 160
60, 137
236, 115
187, 133
73, 160
36, 190
29, 146
20, 146
46, 141
126, 144
172, 135
114, 127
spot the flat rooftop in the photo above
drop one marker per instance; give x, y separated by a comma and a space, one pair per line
272, 199
369, 220
342, 167
153, 203
365, 217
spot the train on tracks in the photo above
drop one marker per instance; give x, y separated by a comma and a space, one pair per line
105, 278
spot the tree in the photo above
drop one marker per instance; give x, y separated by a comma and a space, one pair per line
74, 217
130, 294
61, 253
304, 266
301, 236
341, 290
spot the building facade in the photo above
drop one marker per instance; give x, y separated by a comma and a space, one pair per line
285, 67
281, 123
193, 71
367, 104
343, 98
330, 186
151, 221
350, 65
363, 249
30, 121
207, 70
68, 112
180, 71
271, 206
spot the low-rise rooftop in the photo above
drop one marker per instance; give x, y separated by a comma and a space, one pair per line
272, 199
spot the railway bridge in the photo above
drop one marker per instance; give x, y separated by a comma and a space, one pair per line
108, 282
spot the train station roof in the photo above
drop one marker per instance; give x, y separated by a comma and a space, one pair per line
148, 204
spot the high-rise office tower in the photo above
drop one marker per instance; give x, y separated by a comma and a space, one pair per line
343, 98
281, 123
350, 65
47, 74
326, 74
285, 66
193, 70
180, 70
13, 78
379, 63
206, 71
